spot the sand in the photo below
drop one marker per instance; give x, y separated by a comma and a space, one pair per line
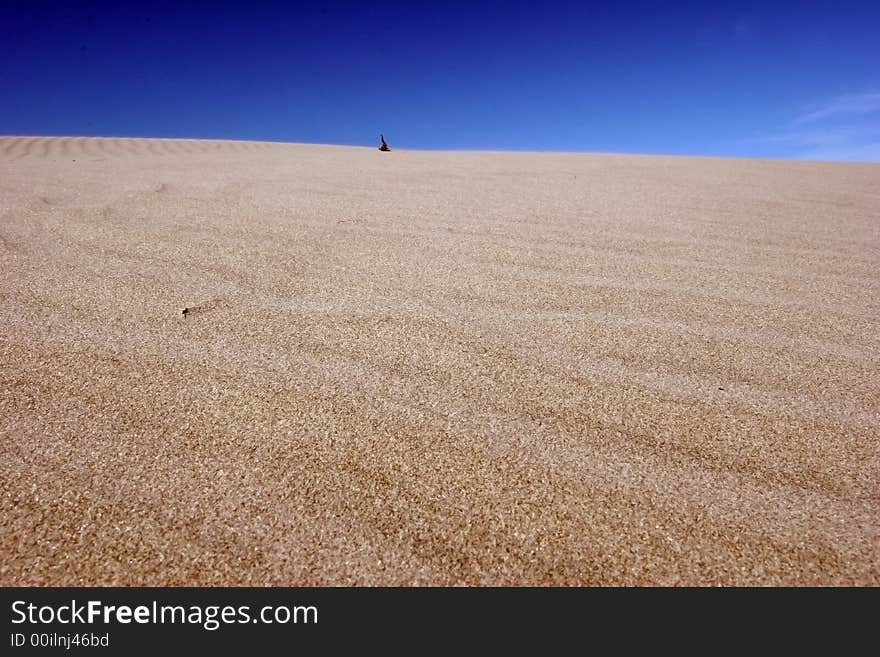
435, 368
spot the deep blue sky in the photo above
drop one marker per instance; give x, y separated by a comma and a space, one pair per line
778, 79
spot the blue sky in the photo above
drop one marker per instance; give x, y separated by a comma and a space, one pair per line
764, 79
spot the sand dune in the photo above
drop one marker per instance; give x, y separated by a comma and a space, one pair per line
434, 367
21, 147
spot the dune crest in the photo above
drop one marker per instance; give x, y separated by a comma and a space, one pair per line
20, 147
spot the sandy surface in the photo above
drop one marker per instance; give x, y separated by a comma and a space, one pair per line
435, 368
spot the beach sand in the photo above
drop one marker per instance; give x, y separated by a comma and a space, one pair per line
435, 367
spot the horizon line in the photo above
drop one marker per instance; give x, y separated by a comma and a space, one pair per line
447, 150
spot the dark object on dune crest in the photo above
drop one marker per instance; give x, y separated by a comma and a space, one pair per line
383, 147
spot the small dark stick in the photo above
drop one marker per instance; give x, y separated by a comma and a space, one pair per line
185, 312
383, 147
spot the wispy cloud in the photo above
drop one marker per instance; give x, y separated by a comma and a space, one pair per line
846, 128
856, 143
850, 104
